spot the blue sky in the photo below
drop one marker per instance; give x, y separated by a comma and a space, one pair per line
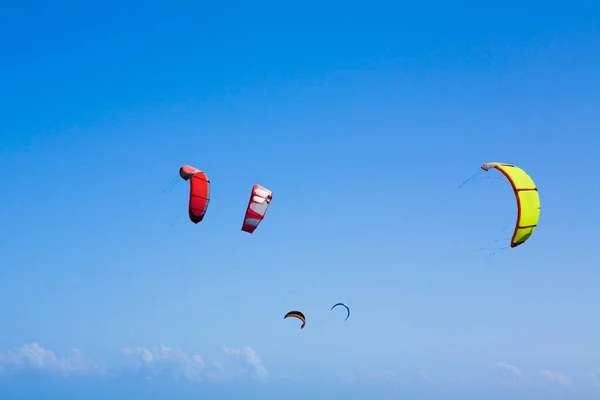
363, 119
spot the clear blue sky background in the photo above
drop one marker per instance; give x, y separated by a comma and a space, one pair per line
363, 119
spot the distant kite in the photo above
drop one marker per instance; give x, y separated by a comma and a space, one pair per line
297, 314
199, 192
343, 305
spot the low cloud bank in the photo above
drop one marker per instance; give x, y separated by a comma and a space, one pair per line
155, 363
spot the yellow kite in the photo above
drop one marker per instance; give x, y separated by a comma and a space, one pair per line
528, 200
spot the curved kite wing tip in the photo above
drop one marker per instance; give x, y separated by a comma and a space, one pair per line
186, 172
494, 164
489, 165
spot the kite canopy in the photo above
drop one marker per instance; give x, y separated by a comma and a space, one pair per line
199, 192
297, 314
260, 198
528, 200
343, 305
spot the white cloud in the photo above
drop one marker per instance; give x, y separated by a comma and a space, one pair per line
422, 377
165, 361
248, 362
157, 362
595, 376
33, 357
509, 372
241, 364
556, 378
503, 375
368, 376
175, 363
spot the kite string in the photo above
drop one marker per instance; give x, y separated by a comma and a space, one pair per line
472, 177
170, 186
497, 249
475, 176
178, 224
500, 234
